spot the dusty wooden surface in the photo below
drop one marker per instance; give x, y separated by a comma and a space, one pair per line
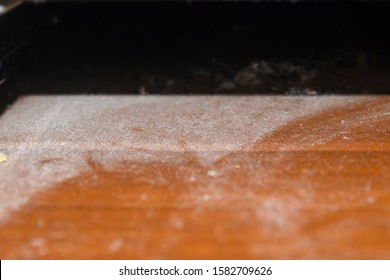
195, 177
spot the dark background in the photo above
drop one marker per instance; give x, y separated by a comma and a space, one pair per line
190, 47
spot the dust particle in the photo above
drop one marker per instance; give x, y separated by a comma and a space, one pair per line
212, 173
3, 157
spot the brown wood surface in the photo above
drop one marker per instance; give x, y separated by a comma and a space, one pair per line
316, 186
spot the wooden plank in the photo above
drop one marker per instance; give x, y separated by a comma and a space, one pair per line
169, 177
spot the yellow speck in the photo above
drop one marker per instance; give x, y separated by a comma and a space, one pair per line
3, 157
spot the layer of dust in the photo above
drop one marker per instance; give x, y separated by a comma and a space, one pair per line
49, 139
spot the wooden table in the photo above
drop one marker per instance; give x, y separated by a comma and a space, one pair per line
195, 177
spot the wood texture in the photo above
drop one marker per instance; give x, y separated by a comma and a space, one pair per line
314, 186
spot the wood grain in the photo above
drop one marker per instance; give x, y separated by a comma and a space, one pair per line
315, 187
